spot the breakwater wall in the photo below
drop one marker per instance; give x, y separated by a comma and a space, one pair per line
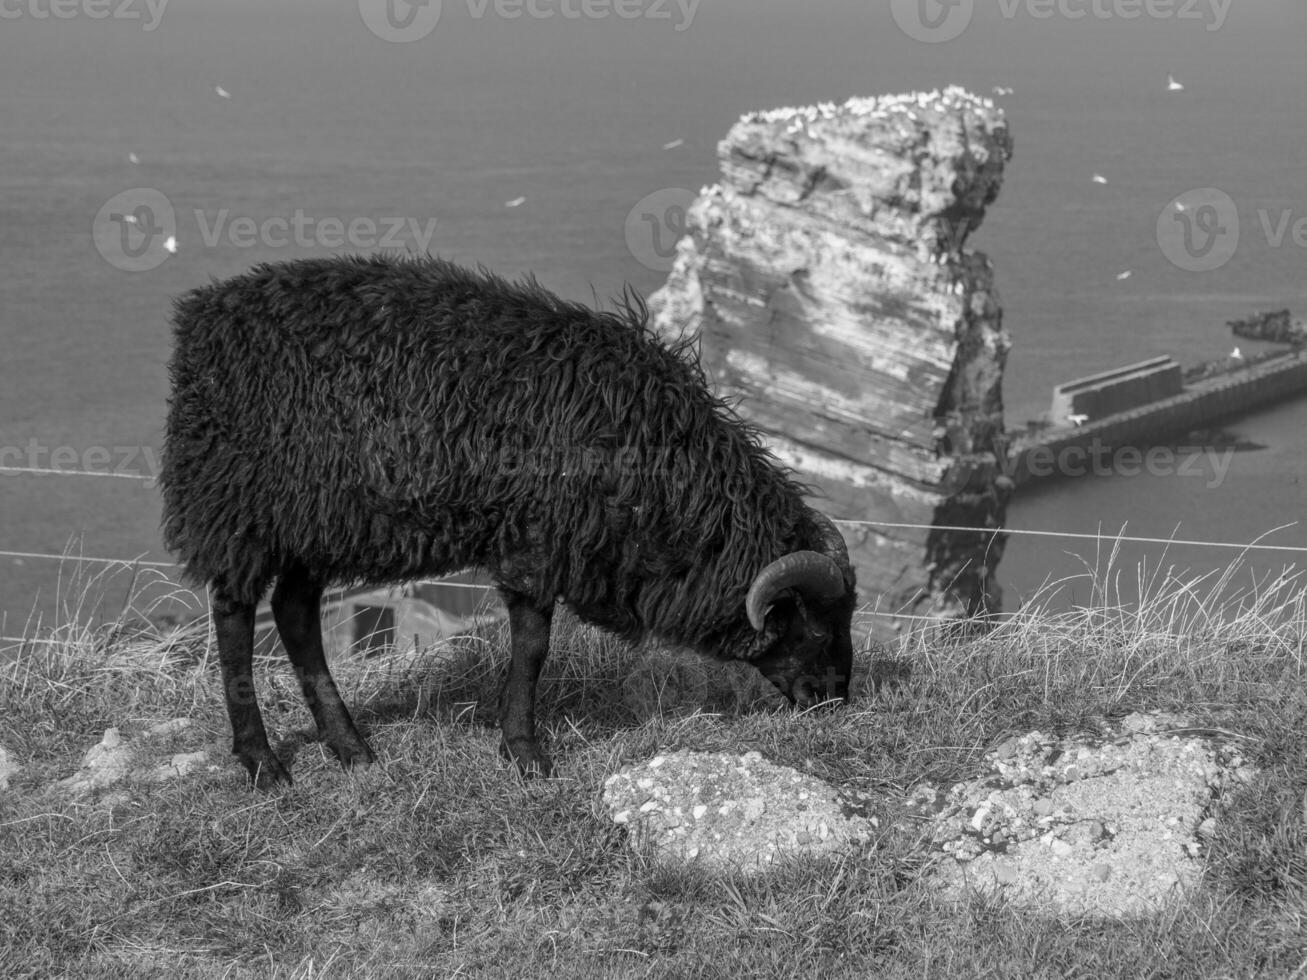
1203, 403
1118, 390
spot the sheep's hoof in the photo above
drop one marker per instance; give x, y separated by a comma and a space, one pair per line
530, 759
355, 756
266, 771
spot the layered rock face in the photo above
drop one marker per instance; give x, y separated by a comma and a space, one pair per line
827, 279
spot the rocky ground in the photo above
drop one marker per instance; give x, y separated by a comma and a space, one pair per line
1110, 826
116, 761
1114, 825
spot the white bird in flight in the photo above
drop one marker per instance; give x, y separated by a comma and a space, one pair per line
1237, 354
133, 158
1125, 275
222, 92
170, 245
673, 144
1172, 85
1099, 179
516, 202
1075, 419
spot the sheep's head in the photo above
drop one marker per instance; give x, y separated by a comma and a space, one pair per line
801, 606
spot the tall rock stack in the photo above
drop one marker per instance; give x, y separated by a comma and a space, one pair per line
827, 280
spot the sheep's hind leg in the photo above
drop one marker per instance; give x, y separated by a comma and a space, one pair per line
296, 606
233, 623
529, 637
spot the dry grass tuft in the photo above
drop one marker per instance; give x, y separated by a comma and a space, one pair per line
442, 862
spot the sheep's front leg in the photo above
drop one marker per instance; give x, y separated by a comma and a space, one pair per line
233, 624
529, 638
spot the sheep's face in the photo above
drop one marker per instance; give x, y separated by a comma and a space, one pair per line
810, 658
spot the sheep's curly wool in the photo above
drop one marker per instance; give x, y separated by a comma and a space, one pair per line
379, 419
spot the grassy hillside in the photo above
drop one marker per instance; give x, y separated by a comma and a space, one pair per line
443, 862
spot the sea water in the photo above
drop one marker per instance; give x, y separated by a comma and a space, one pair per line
564, 109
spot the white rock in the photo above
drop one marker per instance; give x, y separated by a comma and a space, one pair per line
181, 764
103, 765
7, 768
738, 812
172, 727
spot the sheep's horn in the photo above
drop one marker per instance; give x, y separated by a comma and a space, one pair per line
809, 572
832, 541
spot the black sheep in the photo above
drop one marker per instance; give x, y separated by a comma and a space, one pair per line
352, 420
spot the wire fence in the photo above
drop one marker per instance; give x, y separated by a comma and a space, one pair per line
1083, 536
1102, 537
47, 471
1099, 538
